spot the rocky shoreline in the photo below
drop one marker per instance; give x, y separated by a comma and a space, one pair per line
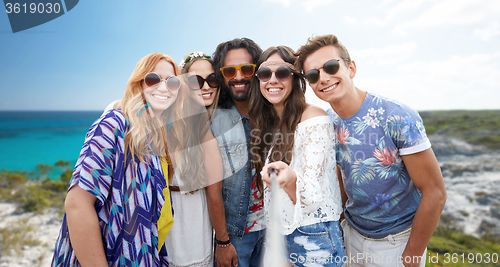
471, 175
472, 179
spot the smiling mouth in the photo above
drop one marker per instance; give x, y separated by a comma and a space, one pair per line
274, 90
239, 85
161, 97
207, 95
328, 89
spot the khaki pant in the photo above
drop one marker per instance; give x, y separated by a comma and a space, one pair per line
368, 252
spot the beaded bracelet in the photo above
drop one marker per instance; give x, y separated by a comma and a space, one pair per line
224, 245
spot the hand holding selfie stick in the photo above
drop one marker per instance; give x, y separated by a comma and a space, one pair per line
276, 239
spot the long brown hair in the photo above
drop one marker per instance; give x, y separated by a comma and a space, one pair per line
268, 122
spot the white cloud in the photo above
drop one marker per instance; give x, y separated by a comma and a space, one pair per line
386, 55
486, 33
459, 82
453, 12
407, 15
285, 3
310, 5
350, 20
385, 2
398, 9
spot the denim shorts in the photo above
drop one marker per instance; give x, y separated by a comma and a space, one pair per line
318, 244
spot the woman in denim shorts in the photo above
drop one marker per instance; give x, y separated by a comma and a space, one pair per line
298, 140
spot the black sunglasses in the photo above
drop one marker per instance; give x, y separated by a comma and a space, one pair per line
331, 67
152, 79
282, 73
196, 82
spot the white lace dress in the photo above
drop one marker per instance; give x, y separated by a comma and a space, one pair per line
318, 191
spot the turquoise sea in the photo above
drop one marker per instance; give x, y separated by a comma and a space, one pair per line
28, 138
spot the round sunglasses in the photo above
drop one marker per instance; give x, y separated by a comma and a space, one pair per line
152, 79
229, 72
282, 73
196, 82
331, 67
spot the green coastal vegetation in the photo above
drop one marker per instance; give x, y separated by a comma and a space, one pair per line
31, 192
449, 246
35, 192
477, 127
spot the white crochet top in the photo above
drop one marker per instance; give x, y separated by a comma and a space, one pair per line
318, 192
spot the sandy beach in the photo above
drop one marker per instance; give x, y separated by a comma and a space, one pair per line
42, 229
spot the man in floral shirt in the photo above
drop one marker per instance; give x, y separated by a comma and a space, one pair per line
392, 180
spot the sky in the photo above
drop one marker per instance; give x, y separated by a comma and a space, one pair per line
428, 54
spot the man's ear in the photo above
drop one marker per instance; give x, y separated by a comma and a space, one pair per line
352, 69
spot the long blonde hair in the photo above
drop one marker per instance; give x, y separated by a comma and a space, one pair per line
170, 133
145, 135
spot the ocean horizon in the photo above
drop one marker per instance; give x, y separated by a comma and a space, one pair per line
29, 138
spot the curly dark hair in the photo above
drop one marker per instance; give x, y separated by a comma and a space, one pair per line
268, 122
219, 55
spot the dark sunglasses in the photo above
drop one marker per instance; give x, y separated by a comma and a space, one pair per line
282, 73
330, 67
229, 72
153, 80
196, 82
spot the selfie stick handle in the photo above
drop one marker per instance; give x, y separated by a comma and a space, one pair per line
276, 239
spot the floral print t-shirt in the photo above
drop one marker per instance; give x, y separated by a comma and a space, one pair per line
382, 198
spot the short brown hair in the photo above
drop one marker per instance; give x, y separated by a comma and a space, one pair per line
315, 43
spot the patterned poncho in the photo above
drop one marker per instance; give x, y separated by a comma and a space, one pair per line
129, 197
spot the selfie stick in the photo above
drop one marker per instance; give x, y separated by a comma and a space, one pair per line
276, 239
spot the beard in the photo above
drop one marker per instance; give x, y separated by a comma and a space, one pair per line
238, 95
